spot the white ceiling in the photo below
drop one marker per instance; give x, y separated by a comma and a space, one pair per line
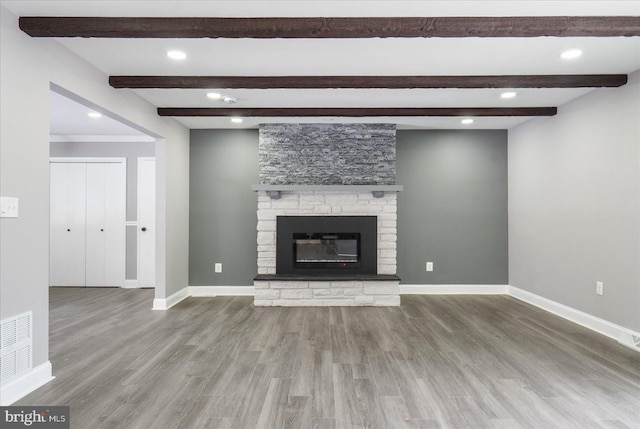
328, 8
70, 120
392, 56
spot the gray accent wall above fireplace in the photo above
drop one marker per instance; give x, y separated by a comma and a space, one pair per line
453, 210
327, 154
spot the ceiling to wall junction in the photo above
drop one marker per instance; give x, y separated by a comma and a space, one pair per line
307, 64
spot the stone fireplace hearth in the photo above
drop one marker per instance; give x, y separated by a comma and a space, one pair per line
381, 288
362, 157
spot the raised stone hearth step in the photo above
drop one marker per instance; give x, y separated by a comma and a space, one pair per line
326, 278
290, 292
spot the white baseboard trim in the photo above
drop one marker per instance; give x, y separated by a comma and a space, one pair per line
170, 301
453, 289
630, 339
203, 291
623, 335
130, 284
25, 384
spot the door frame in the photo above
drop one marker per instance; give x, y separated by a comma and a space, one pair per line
139, 225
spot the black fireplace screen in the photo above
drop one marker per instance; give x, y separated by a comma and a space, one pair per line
326, 248
310, 245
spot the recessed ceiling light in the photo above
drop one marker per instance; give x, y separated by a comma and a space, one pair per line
236, 120
94, 115
214, 95
467, 121
176, 55
229, 100
571, 54
509, 94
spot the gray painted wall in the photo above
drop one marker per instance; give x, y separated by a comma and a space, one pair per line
574, 204
453, 210
222, 208
24, 174
131, 151
29, 67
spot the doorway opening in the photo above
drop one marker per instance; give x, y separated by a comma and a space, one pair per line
81, 130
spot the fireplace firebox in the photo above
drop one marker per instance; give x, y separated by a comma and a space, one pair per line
334, 245
313, 250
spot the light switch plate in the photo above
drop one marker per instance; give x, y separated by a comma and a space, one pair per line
8, 207
217, 267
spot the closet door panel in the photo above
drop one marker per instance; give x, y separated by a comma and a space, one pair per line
115, 213
106, 212
67, 224
96, 249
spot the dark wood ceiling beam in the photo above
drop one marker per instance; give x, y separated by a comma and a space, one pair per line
387, 82
355, 111
336, 28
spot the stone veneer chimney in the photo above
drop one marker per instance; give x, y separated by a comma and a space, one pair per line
332, 170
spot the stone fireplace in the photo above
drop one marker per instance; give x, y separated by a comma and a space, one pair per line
327, 213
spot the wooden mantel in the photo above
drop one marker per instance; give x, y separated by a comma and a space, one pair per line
275, 191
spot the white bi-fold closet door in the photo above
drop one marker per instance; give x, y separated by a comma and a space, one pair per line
87, 215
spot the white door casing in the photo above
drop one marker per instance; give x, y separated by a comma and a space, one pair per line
146, 234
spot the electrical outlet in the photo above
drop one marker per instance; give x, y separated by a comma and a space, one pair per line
429, 266
599, 288
217, 267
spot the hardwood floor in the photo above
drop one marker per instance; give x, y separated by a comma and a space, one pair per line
434, 362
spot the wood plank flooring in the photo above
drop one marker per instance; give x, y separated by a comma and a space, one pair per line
434, 362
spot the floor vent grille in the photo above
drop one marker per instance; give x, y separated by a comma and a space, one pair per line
15, 346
